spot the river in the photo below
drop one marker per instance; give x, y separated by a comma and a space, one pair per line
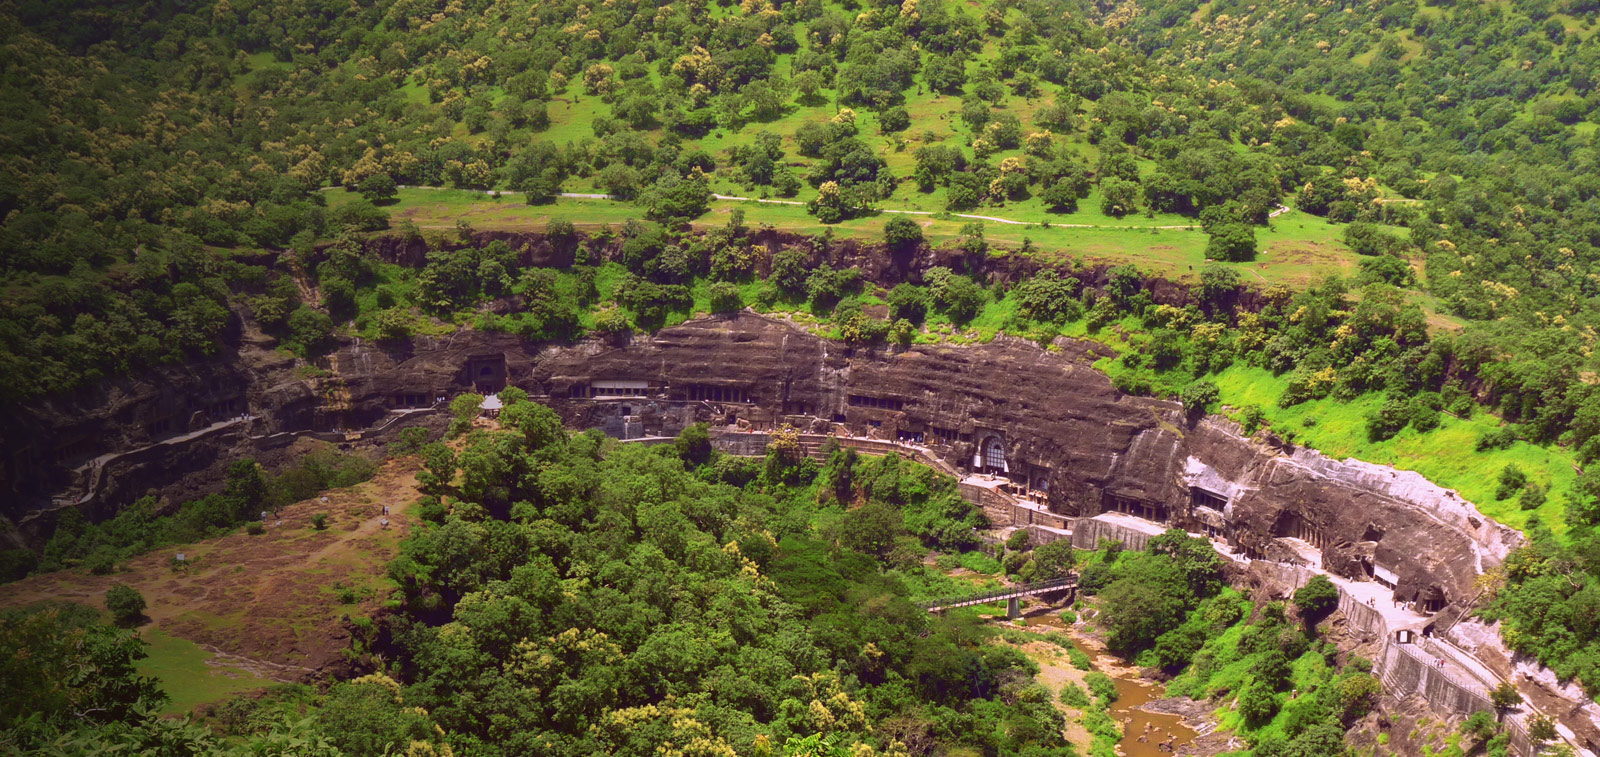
1155, 728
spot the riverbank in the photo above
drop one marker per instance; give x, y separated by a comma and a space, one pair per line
1152, 726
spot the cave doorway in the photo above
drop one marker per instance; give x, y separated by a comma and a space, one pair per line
992, 457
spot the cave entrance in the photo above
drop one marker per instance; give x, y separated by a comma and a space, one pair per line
1431, 600
992, 457
1291, 525
1139, 508
1209, 499
487, 373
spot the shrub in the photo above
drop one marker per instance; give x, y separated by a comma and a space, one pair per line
255, 528
1102, 686
1388, 419
1425, 413
1257, 704
1080, 659
725, 298
125, 603
1512, 479
1500, 438
1014, 561
319, 521
1069, 617
409, 441
101, 562
1073, 695
978, 562
1533, 495
1250, 419
1018, 540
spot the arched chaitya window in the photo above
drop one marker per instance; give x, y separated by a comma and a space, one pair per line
994, 454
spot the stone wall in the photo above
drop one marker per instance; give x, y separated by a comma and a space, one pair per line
1362, 620
1087, 533
1406, 671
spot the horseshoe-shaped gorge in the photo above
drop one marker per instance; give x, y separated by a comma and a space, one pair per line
1041, 441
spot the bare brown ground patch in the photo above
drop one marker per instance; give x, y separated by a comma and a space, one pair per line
265, 601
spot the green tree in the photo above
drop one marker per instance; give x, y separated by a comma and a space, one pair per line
694, 445
1060, 196
539, 426
1504, 696
1511, 481
1316, 599
439, 468
368, 716
463, 409
676, 199
378, 188
1232, 242
125, 604
66, 669
246, 486
310, 331
909, 301
955, 295
1542, 730
1053, 560
1198, 396
1118, 197
1048, 298
902, 232
1479, 728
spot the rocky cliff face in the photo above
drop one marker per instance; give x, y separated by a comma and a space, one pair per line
1043, 418
1051, 423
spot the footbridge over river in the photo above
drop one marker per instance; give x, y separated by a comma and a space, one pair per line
1011, 594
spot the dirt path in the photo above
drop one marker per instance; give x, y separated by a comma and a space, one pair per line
271, 601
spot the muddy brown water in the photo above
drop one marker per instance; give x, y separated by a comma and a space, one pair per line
1155, 728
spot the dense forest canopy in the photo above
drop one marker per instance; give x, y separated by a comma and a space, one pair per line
149, 150
565, 594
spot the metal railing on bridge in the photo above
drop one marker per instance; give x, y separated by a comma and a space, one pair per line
1010, 592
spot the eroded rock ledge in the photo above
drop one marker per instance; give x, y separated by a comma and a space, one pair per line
1043, 418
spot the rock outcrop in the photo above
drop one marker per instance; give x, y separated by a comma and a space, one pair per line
1043, 418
